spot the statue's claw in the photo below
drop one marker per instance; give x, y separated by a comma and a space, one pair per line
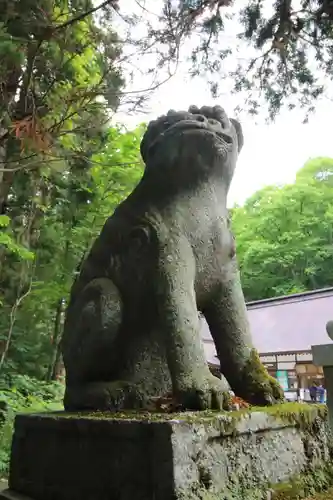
208, 394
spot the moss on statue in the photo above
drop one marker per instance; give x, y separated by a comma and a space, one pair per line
258, 382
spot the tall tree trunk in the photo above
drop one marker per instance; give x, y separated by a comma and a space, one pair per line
20, 296
6, 181
56, 340
58, 365
8, 92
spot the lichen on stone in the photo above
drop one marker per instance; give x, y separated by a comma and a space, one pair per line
301, 415
310, 482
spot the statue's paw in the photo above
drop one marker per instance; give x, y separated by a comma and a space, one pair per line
263, 391
276, 390
267, 393
208, 393
256, 386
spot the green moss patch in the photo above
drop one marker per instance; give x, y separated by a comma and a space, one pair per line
314, 483
299, 414
326, 495
259, 383
305, 485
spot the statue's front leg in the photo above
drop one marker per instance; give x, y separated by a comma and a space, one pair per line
226, 316
194, 386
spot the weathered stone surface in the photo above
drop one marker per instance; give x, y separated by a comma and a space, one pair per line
323, 356
159, 457
11, 495
132, 326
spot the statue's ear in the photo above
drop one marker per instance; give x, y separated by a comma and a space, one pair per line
145, 142
239, 132
153, 131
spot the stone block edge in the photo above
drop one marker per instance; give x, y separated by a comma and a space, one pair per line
9, 494
227, 423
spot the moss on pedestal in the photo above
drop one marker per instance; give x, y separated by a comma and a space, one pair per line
306, 484
300, 414
309, 483
230, 443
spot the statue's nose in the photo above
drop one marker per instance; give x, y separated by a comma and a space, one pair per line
208, 121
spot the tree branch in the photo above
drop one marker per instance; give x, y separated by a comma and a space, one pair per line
87, 13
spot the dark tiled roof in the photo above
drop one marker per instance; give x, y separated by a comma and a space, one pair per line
289, 323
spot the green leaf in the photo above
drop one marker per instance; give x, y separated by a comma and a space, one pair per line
4, 221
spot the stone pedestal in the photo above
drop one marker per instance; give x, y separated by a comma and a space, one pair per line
323, 356
161, 457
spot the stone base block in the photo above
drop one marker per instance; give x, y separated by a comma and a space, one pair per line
11, 495
61, 456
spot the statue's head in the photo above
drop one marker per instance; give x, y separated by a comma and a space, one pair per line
197, 141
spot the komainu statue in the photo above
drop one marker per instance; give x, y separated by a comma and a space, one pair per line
132, 324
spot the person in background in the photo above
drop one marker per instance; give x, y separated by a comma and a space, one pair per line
321, 394
313, 392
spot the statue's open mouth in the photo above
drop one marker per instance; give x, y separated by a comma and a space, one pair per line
188, 126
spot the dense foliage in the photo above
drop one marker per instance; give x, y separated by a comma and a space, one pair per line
30, 325
24, 395
59, 83
284, 234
